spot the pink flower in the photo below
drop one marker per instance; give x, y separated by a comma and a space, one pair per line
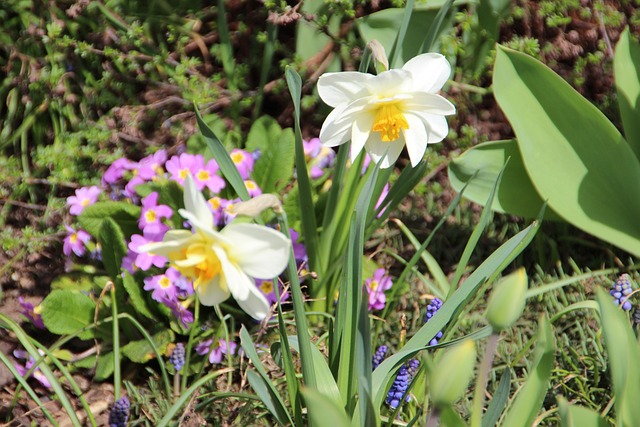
163, 285
84, 197
116, 171
269, 290
32, 313
181, 166
181, 313
215, 351
143, 260
206, 176
376, 286
75, 242
252, 188
151, 166
22, 370
243, 161
150, 221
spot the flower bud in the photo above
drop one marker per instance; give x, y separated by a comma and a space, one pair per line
254, 207
451, 373
507, 300
379, 55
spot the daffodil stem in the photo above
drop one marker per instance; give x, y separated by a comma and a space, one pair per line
482, 379
192, 332
226, 338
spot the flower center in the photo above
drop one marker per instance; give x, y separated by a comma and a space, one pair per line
73, 238
214, 202
203, 175
266, 286
373, 285
150, 216
389, 121
237, 157
198, 262
164, 282
184, 173
85, 202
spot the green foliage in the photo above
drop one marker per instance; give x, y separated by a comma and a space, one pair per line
123, 214
67, 311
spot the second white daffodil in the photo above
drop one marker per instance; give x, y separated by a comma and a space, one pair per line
384, 113
223, 263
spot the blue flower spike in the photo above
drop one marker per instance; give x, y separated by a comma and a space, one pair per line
432, 309
177, 358
379, 356
621, 291
119, 414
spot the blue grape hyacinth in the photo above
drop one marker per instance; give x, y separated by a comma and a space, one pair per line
119, 414
399, 388
177, 358
621, 291
379, 356
432, 309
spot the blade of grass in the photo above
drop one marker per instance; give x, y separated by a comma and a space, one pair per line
434, 29
402, 31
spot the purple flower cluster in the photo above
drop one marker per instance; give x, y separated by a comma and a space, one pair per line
621, 292
119, 414
379, 356
30, 361
398, 390
376, 285
177, 358
432, 308
32, 313
319, 157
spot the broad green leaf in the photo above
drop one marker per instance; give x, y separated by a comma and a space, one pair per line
114, 247
141, 351
529, 398
578, 416
575, 157
274, 169
626, 68
325, 383
624, 352
384, 25
104, 368
480, 166
124, 214
66, 311
324, 411
137, 295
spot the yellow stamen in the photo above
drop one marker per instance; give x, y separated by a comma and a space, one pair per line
237, 157
203, 175
184, 173
73, 238
373, 285
389, 121
164, 282
85, 202
150, 216
214, 202
266, 286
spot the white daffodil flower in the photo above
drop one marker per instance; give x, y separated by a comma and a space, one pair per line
223, 263
383, 113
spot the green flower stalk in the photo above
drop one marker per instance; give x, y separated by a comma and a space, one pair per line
451, 373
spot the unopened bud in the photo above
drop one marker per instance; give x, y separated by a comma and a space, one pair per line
254, 207
379, 55
451, 373
507, 300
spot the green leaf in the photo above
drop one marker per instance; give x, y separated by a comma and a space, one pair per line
66, 311
480, 166
498, 401
124, 214
529, 398
137, 295
626, 69
578, 416
311, 40
575, 157
274, 169
624, 352
104, 368
324, 411
113, 247
227, 167
261, 382
141, 351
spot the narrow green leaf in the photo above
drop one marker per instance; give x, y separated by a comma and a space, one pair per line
137, 295
434, 29
114, 247
624, 352
575, 157
324, 411
65, 312
579, 416
261, 383
227, 167
309, 227
498, 401
529, 398
478, 168
626, 69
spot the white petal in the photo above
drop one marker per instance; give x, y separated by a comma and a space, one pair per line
259, 251
360, 132
212, 292
344, 87
194, 202
436, 126
430, 72
430, 103
387, 151
173, 241
416, 139
390, 83
256, 305
335, 130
